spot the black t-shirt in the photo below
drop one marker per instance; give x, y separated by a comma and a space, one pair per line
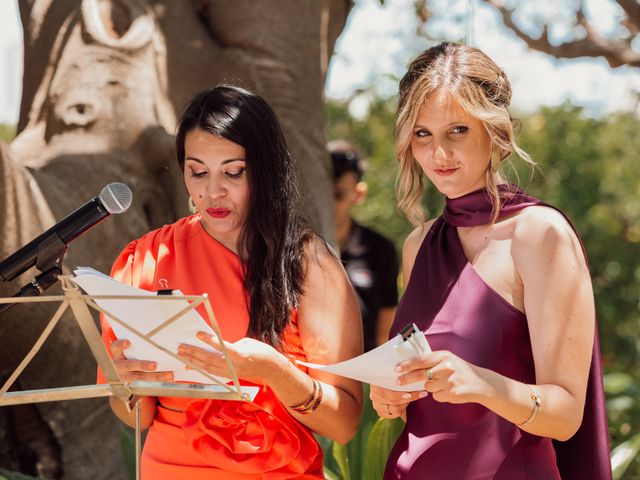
371, 262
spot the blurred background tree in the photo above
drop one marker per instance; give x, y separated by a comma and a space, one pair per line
588, 166
585, 40
589, 169
7, 132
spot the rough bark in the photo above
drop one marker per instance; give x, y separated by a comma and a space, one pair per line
104, 81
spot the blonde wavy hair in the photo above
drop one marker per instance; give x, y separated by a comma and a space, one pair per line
481, 88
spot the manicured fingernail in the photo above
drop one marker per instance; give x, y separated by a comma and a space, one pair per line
398, 381
398, 368
406, 395
423, 394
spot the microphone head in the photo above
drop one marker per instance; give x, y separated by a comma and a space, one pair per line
116, 197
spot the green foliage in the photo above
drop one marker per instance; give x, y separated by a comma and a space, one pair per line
7, 132
128, 445
382, 438
328, 474
591, 172
7, 475
373, 136
623, 455
366, 454
590, 168
342, 459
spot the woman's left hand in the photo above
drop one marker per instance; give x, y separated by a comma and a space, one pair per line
446, 376
252, 359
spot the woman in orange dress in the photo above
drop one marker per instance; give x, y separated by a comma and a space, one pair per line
279, 294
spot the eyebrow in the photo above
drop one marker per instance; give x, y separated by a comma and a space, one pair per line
450, 124
224, 162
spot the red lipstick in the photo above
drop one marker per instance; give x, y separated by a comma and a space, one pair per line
218, 212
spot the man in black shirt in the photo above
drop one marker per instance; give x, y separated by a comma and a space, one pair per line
369, 258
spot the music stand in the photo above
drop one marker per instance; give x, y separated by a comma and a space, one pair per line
129, 393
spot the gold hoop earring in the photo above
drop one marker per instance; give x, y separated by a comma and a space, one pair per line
495, 161
192, 206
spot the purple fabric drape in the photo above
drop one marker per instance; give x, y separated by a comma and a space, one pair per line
460, 313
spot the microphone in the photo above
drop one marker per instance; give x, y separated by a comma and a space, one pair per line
114, 198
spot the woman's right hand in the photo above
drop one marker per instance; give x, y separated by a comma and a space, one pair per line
390, 403
132, 370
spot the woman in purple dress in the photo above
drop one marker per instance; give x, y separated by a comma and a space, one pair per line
500, 285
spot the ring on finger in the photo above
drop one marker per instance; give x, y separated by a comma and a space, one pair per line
389, 409
430, 374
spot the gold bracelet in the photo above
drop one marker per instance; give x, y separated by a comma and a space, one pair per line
316, 404
312, 402
537, 403
304, 405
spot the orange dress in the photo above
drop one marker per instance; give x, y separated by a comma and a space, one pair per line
200, 439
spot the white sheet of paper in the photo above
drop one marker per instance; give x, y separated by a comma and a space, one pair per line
145, 316
375, 367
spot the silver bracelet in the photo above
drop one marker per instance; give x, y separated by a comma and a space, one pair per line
537, 403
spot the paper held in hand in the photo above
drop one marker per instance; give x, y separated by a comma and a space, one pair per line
145, 317
377, 366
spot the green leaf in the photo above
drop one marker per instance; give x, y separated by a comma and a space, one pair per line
357, 446
617, 382
381, 440
623, 455
328, 474
354, 455
342, 459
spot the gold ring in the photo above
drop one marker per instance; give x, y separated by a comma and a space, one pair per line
389, 409
429, 374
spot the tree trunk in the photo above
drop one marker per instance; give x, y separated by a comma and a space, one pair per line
104, 82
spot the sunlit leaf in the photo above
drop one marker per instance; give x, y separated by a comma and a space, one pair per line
623, 455
617, 382
329, 475
342, 459
381, 440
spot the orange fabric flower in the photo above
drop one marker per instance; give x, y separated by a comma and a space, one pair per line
251, 437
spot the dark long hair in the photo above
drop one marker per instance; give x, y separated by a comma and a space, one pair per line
272, 240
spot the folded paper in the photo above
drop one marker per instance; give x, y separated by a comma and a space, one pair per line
377, 366
144, 323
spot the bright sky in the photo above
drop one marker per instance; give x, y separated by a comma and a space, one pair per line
10, 61
378, 43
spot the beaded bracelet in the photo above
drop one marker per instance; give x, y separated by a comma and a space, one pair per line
312, 402
537, 403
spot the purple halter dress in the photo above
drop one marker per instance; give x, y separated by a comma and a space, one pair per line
459, 312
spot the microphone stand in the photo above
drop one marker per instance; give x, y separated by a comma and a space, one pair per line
49, 262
